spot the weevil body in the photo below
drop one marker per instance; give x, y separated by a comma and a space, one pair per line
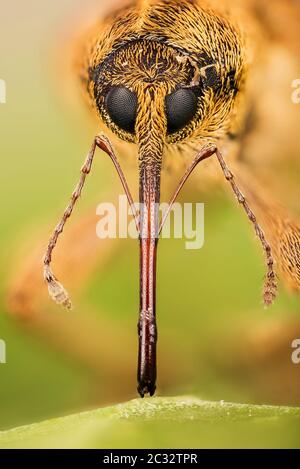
162, 74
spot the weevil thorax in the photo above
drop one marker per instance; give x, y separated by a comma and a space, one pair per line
172, 68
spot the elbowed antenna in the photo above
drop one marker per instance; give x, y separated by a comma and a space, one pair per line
56, 290
270, 284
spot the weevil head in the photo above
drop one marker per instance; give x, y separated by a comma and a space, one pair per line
147, 75
172, 61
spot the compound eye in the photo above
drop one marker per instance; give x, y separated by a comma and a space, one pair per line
121, 105
181, 107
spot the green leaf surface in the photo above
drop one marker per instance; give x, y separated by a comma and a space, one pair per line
181, 422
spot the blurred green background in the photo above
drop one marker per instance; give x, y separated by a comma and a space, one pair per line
216, 341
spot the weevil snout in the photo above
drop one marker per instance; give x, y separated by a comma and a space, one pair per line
146, 92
